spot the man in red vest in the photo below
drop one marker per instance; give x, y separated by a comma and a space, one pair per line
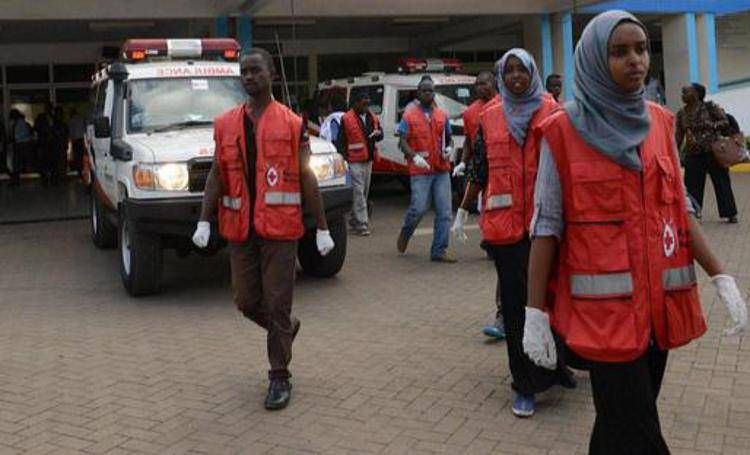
257, 182
484, 87
360, 130
425, 139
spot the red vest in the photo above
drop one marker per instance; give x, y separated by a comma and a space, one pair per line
625, 269
426, 138
508, 198
471, 116
277, 213
356, 139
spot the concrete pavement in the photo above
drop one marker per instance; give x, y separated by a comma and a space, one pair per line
390, 358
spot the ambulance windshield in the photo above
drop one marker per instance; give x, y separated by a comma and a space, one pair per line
453, 98
162, 103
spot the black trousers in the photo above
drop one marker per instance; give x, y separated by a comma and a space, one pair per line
627, 419
511, 264
696, 168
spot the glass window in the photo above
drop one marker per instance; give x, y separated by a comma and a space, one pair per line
164, 103
72, 73
453, 98
374, 92
27, 74
404, 98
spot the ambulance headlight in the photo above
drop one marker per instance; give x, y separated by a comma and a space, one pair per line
328, 166
161, 176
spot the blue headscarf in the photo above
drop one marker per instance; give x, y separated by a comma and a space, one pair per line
613, 122
518, 110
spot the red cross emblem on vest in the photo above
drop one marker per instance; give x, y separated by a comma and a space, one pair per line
669, 240
272, 176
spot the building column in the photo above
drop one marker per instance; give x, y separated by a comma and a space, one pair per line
678, 31
532, 39
245, 32
708, 61
547, 62
562, 50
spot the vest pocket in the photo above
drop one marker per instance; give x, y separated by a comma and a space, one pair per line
603, 329
597, 247
596, 188
666, 180
684, 314
278, 143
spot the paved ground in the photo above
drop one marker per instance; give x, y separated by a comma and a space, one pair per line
389, 359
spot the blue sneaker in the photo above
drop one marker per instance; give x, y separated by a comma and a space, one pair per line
523, 405
496, 330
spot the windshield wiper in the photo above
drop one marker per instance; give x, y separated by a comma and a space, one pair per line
180, 125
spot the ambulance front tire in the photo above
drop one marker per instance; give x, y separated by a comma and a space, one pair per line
103, 233
313, 264
141, 258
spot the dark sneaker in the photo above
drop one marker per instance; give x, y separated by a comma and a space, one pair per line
496, 330
732, 220
446, 257
524, 405
402, 243
279, 394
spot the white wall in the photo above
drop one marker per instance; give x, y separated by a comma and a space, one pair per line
733, 43
735, 102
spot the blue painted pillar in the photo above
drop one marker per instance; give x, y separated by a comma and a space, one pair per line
222, 27
547, 62
691, 36
245, 32
709, 21
567, 36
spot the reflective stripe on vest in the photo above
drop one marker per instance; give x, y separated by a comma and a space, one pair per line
499, 201
232, 203
678, 278
599, 286
357, 145
283, 198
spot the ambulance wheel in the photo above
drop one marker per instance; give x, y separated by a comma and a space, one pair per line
140, 259
103, 234
313, 263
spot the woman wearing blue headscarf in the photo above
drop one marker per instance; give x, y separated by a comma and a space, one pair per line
613, 239
503, 169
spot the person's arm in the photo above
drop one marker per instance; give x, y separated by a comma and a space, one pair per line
701, 251
212, 192
478, 172
679, 130
309, 183
341, 143
719, 118
377, 131
403, 131
541, 257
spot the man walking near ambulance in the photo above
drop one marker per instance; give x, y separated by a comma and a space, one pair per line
425, 140
259, 178
360, 131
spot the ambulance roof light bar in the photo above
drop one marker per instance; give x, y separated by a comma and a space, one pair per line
430, 65
140, 50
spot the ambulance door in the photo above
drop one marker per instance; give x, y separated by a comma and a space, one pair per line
103, 165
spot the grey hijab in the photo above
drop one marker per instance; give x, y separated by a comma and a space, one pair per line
518, 110
613, 122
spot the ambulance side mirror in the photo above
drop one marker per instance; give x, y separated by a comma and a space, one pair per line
102, 128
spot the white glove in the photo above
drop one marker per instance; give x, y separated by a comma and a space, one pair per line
448, 154
458, 225
458, 171
324, 241
538, 343
728, 292
420, 162
202, 234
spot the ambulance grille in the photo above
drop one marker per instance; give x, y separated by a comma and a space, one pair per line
198, 174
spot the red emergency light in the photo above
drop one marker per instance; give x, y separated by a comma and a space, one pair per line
139, 50
430, 65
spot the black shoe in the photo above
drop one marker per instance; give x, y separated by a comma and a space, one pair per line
279, 394
567, 379
732, 219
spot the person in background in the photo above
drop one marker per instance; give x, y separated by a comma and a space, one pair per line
425, 139
654, 91
553, 84
503, 169
43, 127
77, 132
357, 137
613, 239
258, 180
699, 124
329, 129
60, 141
21, 138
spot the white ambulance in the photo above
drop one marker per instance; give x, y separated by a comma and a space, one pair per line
390, 93
150, 142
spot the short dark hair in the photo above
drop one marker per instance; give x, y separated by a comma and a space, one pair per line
265, 55
552, 77
425, 78
489, 74
700, 89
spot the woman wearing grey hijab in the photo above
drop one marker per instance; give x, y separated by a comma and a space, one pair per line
612, 226
503, 167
